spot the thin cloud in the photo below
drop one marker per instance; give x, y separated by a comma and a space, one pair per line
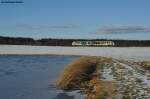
41, 27
123, 29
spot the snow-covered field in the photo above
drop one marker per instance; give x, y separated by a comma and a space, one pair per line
115, 52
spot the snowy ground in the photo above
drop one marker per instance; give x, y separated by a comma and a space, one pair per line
130, 82
115, 52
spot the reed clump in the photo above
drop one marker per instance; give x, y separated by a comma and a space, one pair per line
77, 73
83, 74
146, 64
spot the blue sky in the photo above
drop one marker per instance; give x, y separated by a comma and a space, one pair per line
126, 19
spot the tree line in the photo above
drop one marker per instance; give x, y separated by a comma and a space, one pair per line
68, 42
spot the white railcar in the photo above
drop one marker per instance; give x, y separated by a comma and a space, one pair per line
93, 43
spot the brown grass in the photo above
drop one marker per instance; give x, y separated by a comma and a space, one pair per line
77, 72
104, 90
100, 89
146, 64
83, 74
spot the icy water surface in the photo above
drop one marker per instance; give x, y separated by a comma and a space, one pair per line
32, 77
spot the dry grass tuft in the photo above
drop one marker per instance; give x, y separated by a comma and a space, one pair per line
84, 74
146, 64
77, 73
99, 89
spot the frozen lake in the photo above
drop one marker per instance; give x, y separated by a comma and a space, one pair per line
33, 77
115, 52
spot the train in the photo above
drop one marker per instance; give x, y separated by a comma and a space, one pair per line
93, 43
